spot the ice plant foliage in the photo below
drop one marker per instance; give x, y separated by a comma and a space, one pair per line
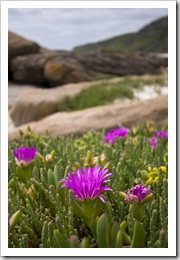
87, 183
25, 154
138, 193
49, 209
116, 133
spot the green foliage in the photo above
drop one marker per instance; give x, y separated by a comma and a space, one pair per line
152, 38
44, 215
138, 235
105, 93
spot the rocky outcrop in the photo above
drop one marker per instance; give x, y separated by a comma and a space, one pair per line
36, 103
121, 63
97, 118
28, 103
51, 68
30, 64
15, 91
29, 69
18, 46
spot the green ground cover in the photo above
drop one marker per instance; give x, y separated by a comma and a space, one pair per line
43, 214
105, 93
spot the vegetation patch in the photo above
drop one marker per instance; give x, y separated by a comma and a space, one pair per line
105, 93
152, 38
104, 189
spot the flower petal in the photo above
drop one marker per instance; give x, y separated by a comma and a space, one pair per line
87, 183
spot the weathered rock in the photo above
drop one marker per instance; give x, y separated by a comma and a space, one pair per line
15, 91
51, 68
29, 69
97, 118
37, 103
18, 46
63, 70
31, 104
121, 63
54, 68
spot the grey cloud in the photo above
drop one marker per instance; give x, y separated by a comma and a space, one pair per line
66, 28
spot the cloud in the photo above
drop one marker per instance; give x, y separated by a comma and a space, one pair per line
61, 28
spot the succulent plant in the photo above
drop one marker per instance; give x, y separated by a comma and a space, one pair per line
46, 209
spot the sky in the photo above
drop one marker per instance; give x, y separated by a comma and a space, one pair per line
66, 28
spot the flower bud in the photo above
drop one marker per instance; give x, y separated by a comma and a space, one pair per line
48, 158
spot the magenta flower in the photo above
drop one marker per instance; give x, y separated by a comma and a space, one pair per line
25, 154
138, 193
153, 142
87, 183
163, 134
115, 133
158, 135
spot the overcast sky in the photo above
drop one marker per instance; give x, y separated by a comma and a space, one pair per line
64, 29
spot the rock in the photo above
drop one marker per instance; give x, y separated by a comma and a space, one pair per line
10, 123
97, 118
51, 68
19, 46
31, 103
36, 103
29, 69
61, 70
121, 63
15, 91
54, 68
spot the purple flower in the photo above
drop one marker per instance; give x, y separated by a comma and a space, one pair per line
163, 134
119, 132
87, 183
25, 154
138, 193
153, 142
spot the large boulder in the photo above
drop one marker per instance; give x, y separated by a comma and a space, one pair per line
54, 68
18, 46
97, 118
36, 103
15, 91
29, 103
51, 68
63, 70
29, 69
121, 63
